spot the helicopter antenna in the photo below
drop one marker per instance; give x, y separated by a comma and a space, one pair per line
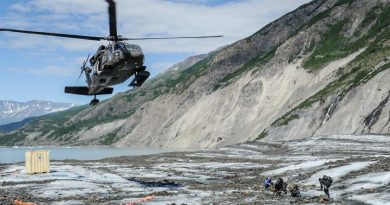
112, 19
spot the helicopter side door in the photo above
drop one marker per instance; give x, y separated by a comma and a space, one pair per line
102, 59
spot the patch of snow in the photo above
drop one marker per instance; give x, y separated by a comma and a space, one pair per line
303, 165
338, 172
360, 138
369, 181
140, 172
237, 151
249, 146
255, 156
194, 197
311, 193
60, 173
70, 202
374, 199
207, 165
68, 188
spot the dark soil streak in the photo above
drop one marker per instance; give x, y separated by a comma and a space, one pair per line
373, 117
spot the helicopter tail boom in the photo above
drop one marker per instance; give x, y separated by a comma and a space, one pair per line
83, 90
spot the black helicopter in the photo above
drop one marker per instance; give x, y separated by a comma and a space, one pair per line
112, 64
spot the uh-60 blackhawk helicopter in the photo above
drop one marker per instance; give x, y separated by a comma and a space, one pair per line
112, 64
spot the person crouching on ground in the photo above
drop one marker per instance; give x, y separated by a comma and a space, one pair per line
280, 186
294, 190
325, 183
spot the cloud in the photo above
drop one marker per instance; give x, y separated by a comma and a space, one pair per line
20, 8
59, 66
49, 70
70, 6
140, 18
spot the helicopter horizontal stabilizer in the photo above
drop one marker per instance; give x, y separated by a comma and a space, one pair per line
83, 90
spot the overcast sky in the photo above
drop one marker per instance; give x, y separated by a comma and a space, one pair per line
38, 67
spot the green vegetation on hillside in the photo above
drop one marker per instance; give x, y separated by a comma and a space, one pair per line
262, 135
187, 76
110, 138
335, 45
12, 139
285, 120
331, 48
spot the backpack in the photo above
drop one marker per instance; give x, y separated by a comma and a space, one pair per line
279, 184
330, 180
326, 181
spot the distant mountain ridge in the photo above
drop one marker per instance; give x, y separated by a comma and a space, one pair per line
11, 111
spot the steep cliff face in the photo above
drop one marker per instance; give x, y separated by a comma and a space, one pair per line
319, 70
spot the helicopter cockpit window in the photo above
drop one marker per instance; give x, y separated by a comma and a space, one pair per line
119, 45
134, 50
131, 47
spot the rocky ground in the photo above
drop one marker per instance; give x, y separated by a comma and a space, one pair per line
359, 165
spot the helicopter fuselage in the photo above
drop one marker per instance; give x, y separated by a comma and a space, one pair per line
114, 64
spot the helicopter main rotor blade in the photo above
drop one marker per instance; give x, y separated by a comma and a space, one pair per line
80, 75
175, 37
112, 18
92, 38
85, 62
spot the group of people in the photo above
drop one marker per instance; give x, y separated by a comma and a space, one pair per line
280, 186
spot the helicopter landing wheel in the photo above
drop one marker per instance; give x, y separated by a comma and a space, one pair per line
94, 102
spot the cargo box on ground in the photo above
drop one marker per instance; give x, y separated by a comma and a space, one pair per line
37, 161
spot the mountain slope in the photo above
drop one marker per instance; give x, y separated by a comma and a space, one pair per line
319, 70
17, 125
12, 111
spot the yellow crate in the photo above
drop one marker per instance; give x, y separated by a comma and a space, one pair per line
37, 161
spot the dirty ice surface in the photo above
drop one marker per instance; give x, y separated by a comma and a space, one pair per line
359, 165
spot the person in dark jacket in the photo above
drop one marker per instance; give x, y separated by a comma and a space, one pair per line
280, 186
325, 183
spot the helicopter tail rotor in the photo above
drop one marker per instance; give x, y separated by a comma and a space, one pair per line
83, 67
